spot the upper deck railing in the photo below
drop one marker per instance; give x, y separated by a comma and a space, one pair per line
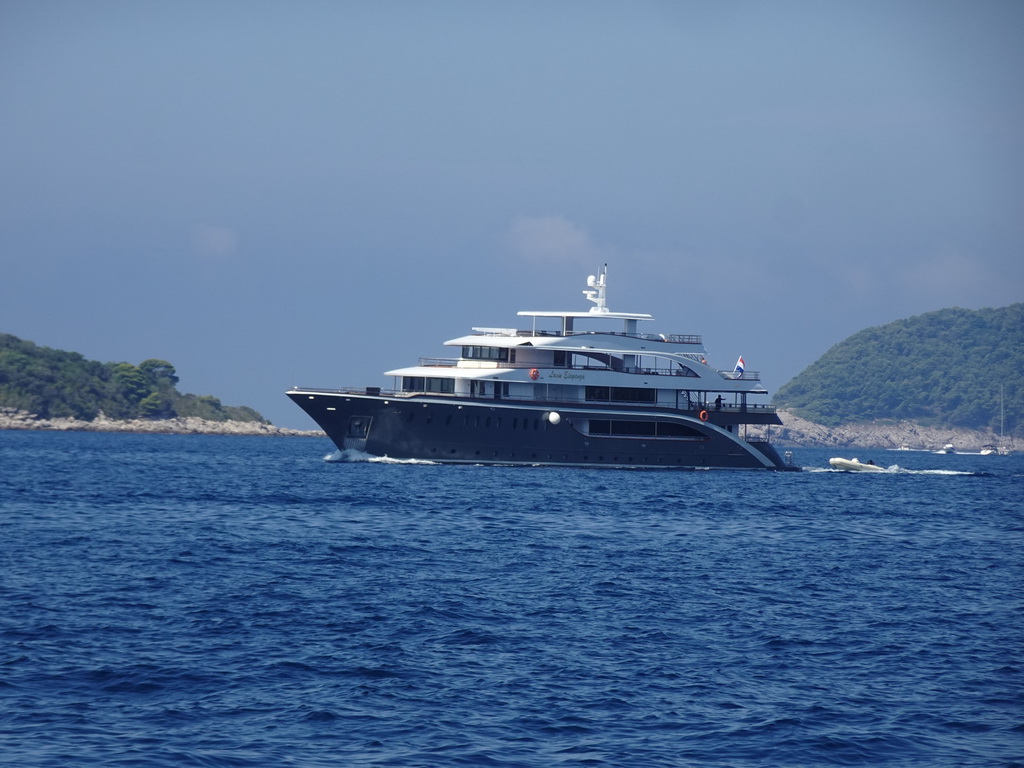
671, 338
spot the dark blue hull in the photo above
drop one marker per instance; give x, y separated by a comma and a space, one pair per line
479, 431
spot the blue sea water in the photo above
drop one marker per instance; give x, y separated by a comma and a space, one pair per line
232, 601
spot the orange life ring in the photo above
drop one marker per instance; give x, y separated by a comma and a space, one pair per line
534, 373
703, 415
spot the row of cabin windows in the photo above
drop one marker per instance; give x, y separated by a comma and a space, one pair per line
560, 359
641, 428
496, 389
501, 354
487, 422
593, 394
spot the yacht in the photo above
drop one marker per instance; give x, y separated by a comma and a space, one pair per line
574, 388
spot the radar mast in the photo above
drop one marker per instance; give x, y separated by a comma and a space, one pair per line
597, 295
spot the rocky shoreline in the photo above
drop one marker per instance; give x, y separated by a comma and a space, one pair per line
11, 418
883, 435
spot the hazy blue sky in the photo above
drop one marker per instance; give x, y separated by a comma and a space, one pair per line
277, 193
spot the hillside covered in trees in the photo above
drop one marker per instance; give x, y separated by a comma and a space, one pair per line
953, 367
55, 384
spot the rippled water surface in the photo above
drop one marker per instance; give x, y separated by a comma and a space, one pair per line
232, 601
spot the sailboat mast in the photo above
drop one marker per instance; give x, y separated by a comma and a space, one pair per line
1001, 388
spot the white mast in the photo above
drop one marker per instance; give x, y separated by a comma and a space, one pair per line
598, 295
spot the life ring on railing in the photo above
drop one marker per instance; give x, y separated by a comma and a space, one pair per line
534, 373
703, 415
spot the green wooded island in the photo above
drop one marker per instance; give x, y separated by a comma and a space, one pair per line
950, 368
949, 376
54, 389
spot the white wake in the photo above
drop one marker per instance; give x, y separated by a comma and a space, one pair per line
353, 456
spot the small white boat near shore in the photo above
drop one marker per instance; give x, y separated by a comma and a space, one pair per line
854, 465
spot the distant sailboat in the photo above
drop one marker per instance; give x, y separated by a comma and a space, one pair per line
1002, 448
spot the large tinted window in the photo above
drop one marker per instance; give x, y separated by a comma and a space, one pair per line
641, 428
429, 384
439, 385
621, 395
485, 353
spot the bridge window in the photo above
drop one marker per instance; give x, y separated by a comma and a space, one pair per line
499, 354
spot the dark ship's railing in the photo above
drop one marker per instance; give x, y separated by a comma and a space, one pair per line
693, 409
